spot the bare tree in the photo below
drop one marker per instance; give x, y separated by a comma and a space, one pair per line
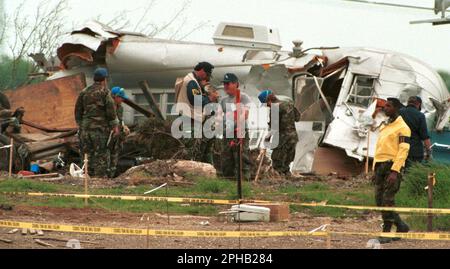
2, 23
175, 28
40, 33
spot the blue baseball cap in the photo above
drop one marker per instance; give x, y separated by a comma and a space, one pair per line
264, 95
120, 92
101, 73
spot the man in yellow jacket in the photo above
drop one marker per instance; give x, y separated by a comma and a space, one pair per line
390, 157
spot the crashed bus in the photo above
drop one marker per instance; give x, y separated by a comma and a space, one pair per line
338, 91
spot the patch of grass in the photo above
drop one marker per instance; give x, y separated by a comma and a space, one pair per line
22, 185
413, 193
225, 188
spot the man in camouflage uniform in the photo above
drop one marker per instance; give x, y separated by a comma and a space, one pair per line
96, 117
283, 155
116, 143
11, 122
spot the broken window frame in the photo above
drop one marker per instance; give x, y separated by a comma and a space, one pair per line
354, 94
163, 103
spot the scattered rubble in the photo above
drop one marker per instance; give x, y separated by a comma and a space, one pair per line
161, 171
6, 207
42, 243
7, 241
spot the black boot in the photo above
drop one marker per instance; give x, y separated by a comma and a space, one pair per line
387, 225
402, 227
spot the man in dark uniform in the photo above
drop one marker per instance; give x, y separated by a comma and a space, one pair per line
419, 132
96, 117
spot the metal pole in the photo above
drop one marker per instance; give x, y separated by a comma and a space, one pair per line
241, 173
324, 98
11, 153
431, 179
167, 203
86, 176
241, 142
367, 156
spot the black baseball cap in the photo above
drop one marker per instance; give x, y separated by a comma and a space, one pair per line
396, 102
207, 67
230, 77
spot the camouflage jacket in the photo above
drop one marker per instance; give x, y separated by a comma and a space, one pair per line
288, 116
119, 111
95, 109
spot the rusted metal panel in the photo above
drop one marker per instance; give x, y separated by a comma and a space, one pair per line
50, 103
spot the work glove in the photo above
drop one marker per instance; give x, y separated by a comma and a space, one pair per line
126, 130
428, 155
116, 131
392, 178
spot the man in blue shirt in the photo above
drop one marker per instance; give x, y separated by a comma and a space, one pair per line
419, 131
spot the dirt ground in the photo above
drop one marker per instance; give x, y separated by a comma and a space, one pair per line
96, 217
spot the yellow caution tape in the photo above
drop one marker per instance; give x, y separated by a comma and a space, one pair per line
145, 232
210, 234
438, 211
142, 198
414, 236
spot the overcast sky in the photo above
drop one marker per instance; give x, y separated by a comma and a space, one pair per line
316, 22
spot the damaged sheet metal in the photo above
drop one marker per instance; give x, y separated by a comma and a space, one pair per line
396, 75
309, 135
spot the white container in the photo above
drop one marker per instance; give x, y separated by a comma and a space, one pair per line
247, 213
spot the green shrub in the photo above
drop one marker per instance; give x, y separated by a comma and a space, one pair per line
416, 179
413, 194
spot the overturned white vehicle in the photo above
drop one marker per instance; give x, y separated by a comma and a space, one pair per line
337, 90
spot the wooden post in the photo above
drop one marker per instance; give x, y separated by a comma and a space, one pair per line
86, 176
261, 156
431, 180
148, 232
328, 237
11, 156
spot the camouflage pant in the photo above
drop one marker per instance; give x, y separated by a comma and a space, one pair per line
231, 161
115, 147
284, 154
200, 149
385, 191
94, 145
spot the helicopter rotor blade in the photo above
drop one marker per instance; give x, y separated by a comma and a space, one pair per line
389, 4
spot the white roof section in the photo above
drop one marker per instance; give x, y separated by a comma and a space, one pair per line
247, 35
